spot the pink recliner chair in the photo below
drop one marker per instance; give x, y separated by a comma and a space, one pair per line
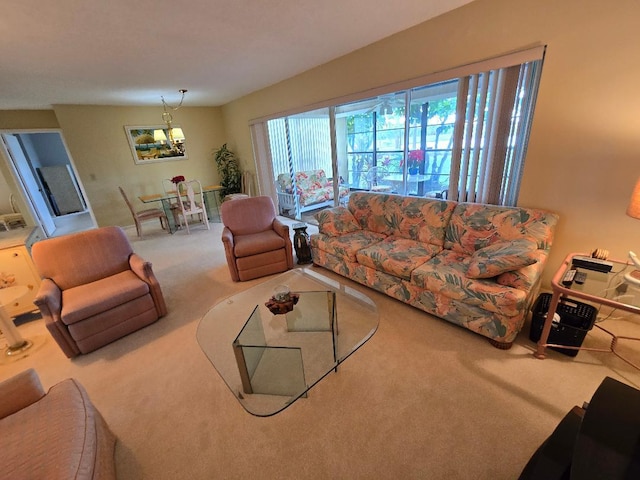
255, 242
94, 289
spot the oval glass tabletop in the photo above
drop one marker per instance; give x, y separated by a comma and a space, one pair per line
271, 360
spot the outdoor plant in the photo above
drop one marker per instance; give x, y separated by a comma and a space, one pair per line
416, 157
229, 171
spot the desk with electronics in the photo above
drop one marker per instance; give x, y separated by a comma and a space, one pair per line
611, 283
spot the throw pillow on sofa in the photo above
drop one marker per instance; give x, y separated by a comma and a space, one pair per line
502, 257
336, 221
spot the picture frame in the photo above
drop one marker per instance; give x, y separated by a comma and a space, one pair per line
156, 143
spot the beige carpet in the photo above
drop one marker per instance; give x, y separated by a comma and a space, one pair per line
422, 399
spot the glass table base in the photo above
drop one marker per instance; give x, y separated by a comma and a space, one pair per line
269, 361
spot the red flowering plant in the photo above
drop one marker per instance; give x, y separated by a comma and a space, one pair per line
414, 159
177, 179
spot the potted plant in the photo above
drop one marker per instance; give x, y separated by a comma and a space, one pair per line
416, 157
229, 171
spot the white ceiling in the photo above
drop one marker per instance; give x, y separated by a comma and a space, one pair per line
132, 52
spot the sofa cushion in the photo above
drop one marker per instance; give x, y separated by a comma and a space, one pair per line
501, 257
345, 246
284, 182
315, 195
254, 243
84, 301
396, 256
415, 218
311, 180
336, 221
474, 226
445, 274
525, 278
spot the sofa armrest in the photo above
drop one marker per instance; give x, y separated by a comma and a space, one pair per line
19, 392
144, 270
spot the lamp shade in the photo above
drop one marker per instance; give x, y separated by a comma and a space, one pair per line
633, 210
159, 135
177, 133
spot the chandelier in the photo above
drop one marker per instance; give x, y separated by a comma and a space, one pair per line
176, 137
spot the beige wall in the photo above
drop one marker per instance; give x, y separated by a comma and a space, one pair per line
584, 148
584, 151
97, 142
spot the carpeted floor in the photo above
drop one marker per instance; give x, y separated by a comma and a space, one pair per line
423, 399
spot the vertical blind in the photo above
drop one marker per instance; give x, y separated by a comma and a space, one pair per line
490, 134
494, 111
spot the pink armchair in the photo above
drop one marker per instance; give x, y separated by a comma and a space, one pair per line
256, 243
58, 434
95, 289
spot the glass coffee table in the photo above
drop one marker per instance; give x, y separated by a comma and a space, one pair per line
269, 361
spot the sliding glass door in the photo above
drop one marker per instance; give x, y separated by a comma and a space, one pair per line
462, 139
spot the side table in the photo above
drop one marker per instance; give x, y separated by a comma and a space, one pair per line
601, 288
16, 344
301, 243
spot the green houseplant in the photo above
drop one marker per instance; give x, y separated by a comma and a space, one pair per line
229, 171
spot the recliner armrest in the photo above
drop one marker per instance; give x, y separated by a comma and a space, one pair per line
227, 241
144, 270
227, 237
19, 392
140, 267
49, 298
280, 228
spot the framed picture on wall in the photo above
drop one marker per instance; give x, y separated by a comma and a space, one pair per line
156, 143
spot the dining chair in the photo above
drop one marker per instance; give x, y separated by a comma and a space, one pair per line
170, 188
191, 202
140, 216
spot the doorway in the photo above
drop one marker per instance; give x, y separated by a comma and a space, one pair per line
44, 171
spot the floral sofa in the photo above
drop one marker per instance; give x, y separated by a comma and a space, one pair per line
312, 188
478, 266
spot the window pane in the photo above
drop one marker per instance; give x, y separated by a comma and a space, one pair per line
467, 134
431, 120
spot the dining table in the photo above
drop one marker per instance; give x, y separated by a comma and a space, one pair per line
397, 180
211, 201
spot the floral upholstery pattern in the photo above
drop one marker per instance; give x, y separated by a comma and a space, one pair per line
420, 251
345, 246
397, 256
336, 221
474, 226
312, 187
416, 218
501, 257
